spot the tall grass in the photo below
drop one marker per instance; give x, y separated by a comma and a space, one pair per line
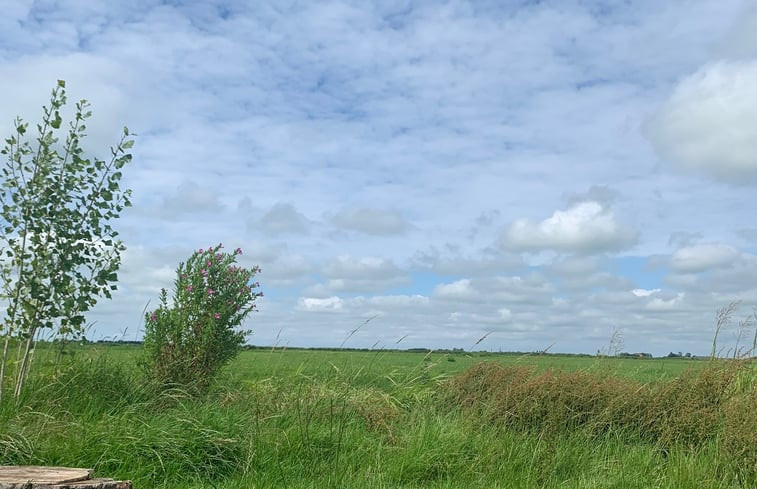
356, 423
700, 409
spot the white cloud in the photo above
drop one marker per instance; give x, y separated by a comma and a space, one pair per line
366, 274
191, 198
376, 222
584, 227
282, 218
458, 290
532, 289
455, 261
286, 270
699, 258
708, 124
314, 304
347, 266
660, 304
573, 266
644, 292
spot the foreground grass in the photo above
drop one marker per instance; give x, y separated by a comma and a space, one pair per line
378, 420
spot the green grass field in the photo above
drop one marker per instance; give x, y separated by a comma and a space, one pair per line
315, 419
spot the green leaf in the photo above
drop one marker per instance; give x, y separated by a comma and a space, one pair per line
55, 123
62, 83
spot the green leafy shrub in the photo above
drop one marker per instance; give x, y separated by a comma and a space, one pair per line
189, 340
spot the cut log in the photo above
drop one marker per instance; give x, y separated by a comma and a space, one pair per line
37, 477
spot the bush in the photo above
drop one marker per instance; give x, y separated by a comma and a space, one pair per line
188, 341
690, 410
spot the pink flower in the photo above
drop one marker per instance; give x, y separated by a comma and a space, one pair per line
210, 292
217, 316
190, 288
238, 251
208, 263
153, 317
199, 251
204, 272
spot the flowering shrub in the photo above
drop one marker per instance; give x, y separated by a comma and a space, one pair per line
189, 340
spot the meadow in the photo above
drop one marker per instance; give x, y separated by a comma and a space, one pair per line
377, 419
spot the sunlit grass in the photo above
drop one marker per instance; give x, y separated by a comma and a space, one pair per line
315, 419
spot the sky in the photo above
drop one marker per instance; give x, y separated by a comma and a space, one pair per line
539, 174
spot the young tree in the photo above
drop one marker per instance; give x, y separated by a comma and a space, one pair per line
59, 252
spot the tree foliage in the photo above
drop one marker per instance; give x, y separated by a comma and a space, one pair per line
59, 250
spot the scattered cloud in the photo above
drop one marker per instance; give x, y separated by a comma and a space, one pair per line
314, 304
699, 258
366, 274
682, 239
585, 227
191, 198
644, 292
282, 218
601, 194
375, 222
451, 261
389, 161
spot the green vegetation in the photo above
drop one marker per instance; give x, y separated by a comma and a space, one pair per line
188, 341
314, 419
58, 251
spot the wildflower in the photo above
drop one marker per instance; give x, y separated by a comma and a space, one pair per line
199, 251
211, 291
153, 317
216, 316
204, 272
238, 251
190, 288
208, 263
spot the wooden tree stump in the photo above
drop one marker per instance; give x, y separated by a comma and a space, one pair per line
36, 477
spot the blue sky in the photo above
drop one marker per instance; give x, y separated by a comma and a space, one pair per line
544, 172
